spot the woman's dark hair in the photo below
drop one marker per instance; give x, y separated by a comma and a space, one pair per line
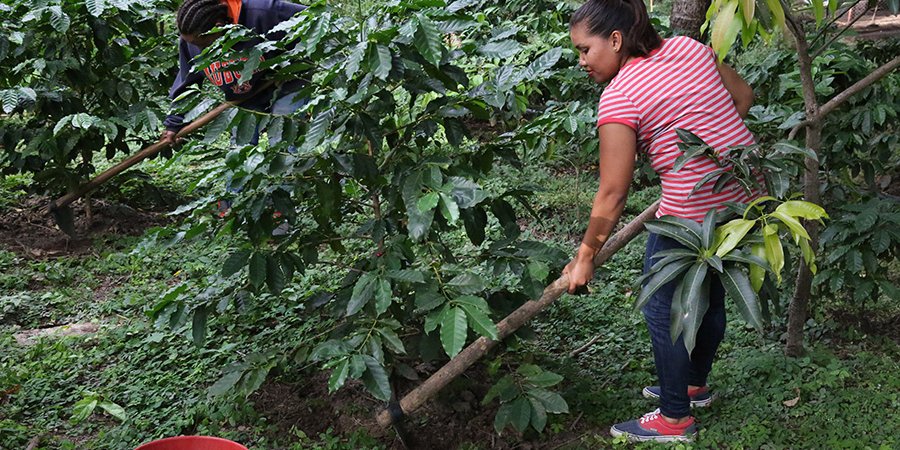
602, 17
196, 17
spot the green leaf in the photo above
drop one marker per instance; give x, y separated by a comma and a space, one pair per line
480, 322
428, 40
473, 301
553, 402
317, 130
257, 269
774, 253
731, 234
475, 222
538, 414
197, 110
695, 300
466, 193
738, 287
317, 32
95, 7
11, 100
796, 229
419, 222
428, 201
500, 49
748, 7
275, 277
503, 417
676, 312
198, 326
542, 64
544, 379
428, 298
407, 275
467, 283
392, 340
449, 208
375, 379
809, 256
338, 375
520, 415
433, 319
58, 19
246, 129
382, 62
329, 349
363, 291
725, 29
799, 208
757, 273
113, 409
685, 231
819, 11
707, 232
224, 384
505, 385
235, 262
383, 296
219, 125
83, 409
453, 330
665, 274
356, 57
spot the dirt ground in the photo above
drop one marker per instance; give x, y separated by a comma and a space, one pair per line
876, 24
454, 418
28, 231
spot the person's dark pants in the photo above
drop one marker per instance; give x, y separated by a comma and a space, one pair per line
675, 368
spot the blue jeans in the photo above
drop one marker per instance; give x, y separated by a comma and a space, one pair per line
675, 368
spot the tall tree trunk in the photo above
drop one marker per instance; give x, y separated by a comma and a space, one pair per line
687, 16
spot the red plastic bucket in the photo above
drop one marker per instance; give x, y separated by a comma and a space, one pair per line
192, 443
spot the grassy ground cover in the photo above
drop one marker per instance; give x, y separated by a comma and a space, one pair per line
844, 394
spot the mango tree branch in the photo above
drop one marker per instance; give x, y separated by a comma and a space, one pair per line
845, 95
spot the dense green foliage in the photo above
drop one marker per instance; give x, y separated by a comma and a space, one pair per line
437, 179
79, 78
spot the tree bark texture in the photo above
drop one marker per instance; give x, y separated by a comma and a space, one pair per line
797, 311
687, 17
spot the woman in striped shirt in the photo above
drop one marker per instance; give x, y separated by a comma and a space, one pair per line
655, 87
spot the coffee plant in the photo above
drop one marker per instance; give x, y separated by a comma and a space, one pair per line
79, 78
380, 176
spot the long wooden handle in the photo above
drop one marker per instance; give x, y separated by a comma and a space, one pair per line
145, 153
456, 366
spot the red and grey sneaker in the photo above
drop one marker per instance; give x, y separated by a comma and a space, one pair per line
700, 396
653, 427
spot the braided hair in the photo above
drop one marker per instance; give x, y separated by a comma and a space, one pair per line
196, 17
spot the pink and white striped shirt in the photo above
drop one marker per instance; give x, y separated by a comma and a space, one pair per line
678, 86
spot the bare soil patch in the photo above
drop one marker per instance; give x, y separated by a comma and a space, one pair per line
456, 417
26, 230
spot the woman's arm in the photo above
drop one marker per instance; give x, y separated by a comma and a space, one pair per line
740, 91
618, 146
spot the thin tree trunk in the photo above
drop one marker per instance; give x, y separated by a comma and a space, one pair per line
797, 311
687, 17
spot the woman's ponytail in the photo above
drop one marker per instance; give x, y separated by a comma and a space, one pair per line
629, 17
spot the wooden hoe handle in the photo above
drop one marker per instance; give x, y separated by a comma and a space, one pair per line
145, 153
456, 366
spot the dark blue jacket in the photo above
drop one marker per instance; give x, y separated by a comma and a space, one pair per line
258, 15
